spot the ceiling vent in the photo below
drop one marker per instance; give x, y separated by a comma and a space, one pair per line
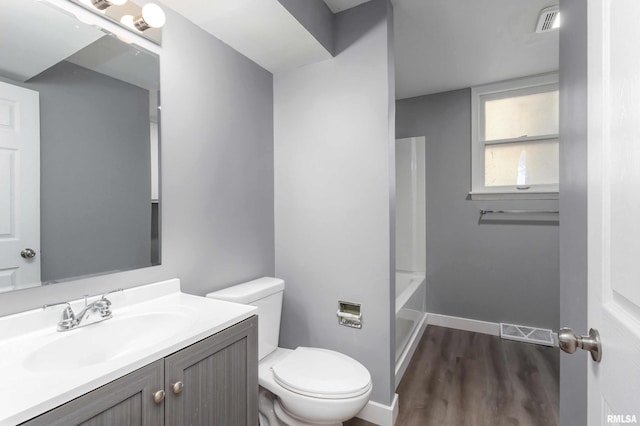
548, 20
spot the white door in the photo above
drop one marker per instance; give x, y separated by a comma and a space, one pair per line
19, 187
614, 209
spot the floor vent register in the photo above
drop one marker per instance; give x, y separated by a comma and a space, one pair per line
521, 333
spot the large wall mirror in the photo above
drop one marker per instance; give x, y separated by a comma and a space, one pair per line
79, 141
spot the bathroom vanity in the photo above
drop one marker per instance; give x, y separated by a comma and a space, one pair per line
165, 358
208, 382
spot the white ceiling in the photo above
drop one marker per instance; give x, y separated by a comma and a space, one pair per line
262, 30
442, 45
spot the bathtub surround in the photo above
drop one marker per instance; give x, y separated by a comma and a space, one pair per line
410, 250
334, 181
411, 319
495, 272
410, 205
217, 173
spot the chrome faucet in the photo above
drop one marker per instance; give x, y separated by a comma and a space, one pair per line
91, 313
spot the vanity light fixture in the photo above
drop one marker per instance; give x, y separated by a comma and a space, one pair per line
152, 17
103, 4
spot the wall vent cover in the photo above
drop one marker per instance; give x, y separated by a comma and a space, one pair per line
547, 19
521, 333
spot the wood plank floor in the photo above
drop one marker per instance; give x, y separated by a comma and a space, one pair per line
460, 378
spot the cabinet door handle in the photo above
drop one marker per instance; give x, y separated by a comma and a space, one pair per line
177, 387
158, 396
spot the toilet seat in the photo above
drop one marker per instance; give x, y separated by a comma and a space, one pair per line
321, 373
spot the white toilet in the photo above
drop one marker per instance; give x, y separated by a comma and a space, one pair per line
304, 386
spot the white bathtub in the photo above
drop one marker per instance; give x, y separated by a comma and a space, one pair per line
410, 317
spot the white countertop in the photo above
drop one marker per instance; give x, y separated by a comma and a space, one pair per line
27, 392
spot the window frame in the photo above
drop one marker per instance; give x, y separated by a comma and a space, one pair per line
500, 90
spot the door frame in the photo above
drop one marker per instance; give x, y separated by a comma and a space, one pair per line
573, 205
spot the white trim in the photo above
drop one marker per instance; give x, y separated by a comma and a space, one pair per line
521, 215
409, 350
492, 328
383, 415
483, 196
495, 91
521, 139
518, 83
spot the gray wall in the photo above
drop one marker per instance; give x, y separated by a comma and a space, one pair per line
95, 177
217, 161
316, 17
333, 168
498, 272
217, 173
573, 205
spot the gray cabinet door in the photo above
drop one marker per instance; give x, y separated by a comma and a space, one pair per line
219, 377
126, 401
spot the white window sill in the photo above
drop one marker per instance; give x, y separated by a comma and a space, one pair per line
513, 195
488, 216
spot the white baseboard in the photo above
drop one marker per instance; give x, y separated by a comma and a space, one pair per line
383, 415
492, 328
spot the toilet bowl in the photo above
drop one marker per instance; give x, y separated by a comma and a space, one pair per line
304, 386
315, 386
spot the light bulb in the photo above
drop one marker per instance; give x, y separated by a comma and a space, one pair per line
128, 21
153, 15
117, 2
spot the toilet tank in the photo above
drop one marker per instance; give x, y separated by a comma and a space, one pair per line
266, 294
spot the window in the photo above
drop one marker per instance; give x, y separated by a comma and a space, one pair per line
514, 139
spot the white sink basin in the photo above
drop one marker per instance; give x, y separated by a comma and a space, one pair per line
108, 340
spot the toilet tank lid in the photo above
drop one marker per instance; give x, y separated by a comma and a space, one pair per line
250, 291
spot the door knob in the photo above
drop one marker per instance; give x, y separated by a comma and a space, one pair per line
28, 253
569, 342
